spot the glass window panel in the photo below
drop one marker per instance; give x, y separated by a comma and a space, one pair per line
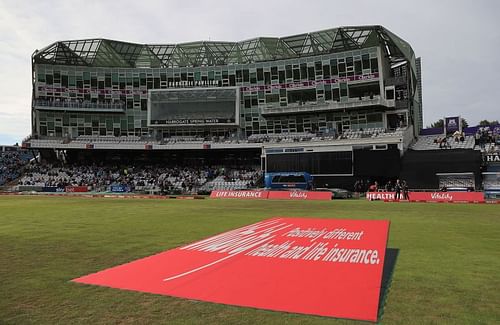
303, 71
267, 78
349, 61
288, 70
310, 72
260, 74
343, 89
326, 71
374, 65
357, 68
274, 72
281, 76
366, 61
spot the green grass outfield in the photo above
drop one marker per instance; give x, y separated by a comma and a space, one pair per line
447, 271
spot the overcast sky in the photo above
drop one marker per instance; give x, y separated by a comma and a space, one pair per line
459, 41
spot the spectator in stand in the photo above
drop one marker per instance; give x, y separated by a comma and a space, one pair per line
490, 136
172, 180
477, 138
12, 164
444, 144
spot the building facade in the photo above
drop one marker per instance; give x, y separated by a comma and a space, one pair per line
324, 82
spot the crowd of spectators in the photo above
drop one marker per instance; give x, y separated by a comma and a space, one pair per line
48, 175
443, 142
487, 135
145, 178
12, 164
229, 138
280, 137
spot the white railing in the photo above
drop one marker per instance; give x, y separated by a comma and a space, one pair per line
323, 106
77, 105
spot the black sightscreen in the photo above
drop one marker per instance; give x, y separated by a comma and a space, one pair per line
419, 168
377, 163
339, 162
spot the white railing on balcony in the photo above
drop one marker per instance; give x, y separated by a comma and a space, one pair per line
78, 105
325, 106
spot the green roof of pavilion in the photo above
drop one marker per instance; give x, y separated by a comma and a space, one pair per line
112, 53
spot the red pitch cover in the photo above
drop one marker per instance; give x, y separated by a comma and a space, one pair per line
327, 267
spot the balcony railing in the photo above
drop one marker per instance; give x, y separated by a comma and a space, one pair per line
401, 103
396, 81
325, 106
70, 105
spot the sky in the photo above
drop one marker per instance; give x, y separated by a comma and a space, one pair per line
459, 41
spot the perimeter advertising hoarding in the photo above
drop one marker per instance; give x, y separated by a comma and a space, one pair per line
239, 194
52, 189
119, 188
299, 195
273, 195
327, 267
430, 196
78, 189
447, 196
